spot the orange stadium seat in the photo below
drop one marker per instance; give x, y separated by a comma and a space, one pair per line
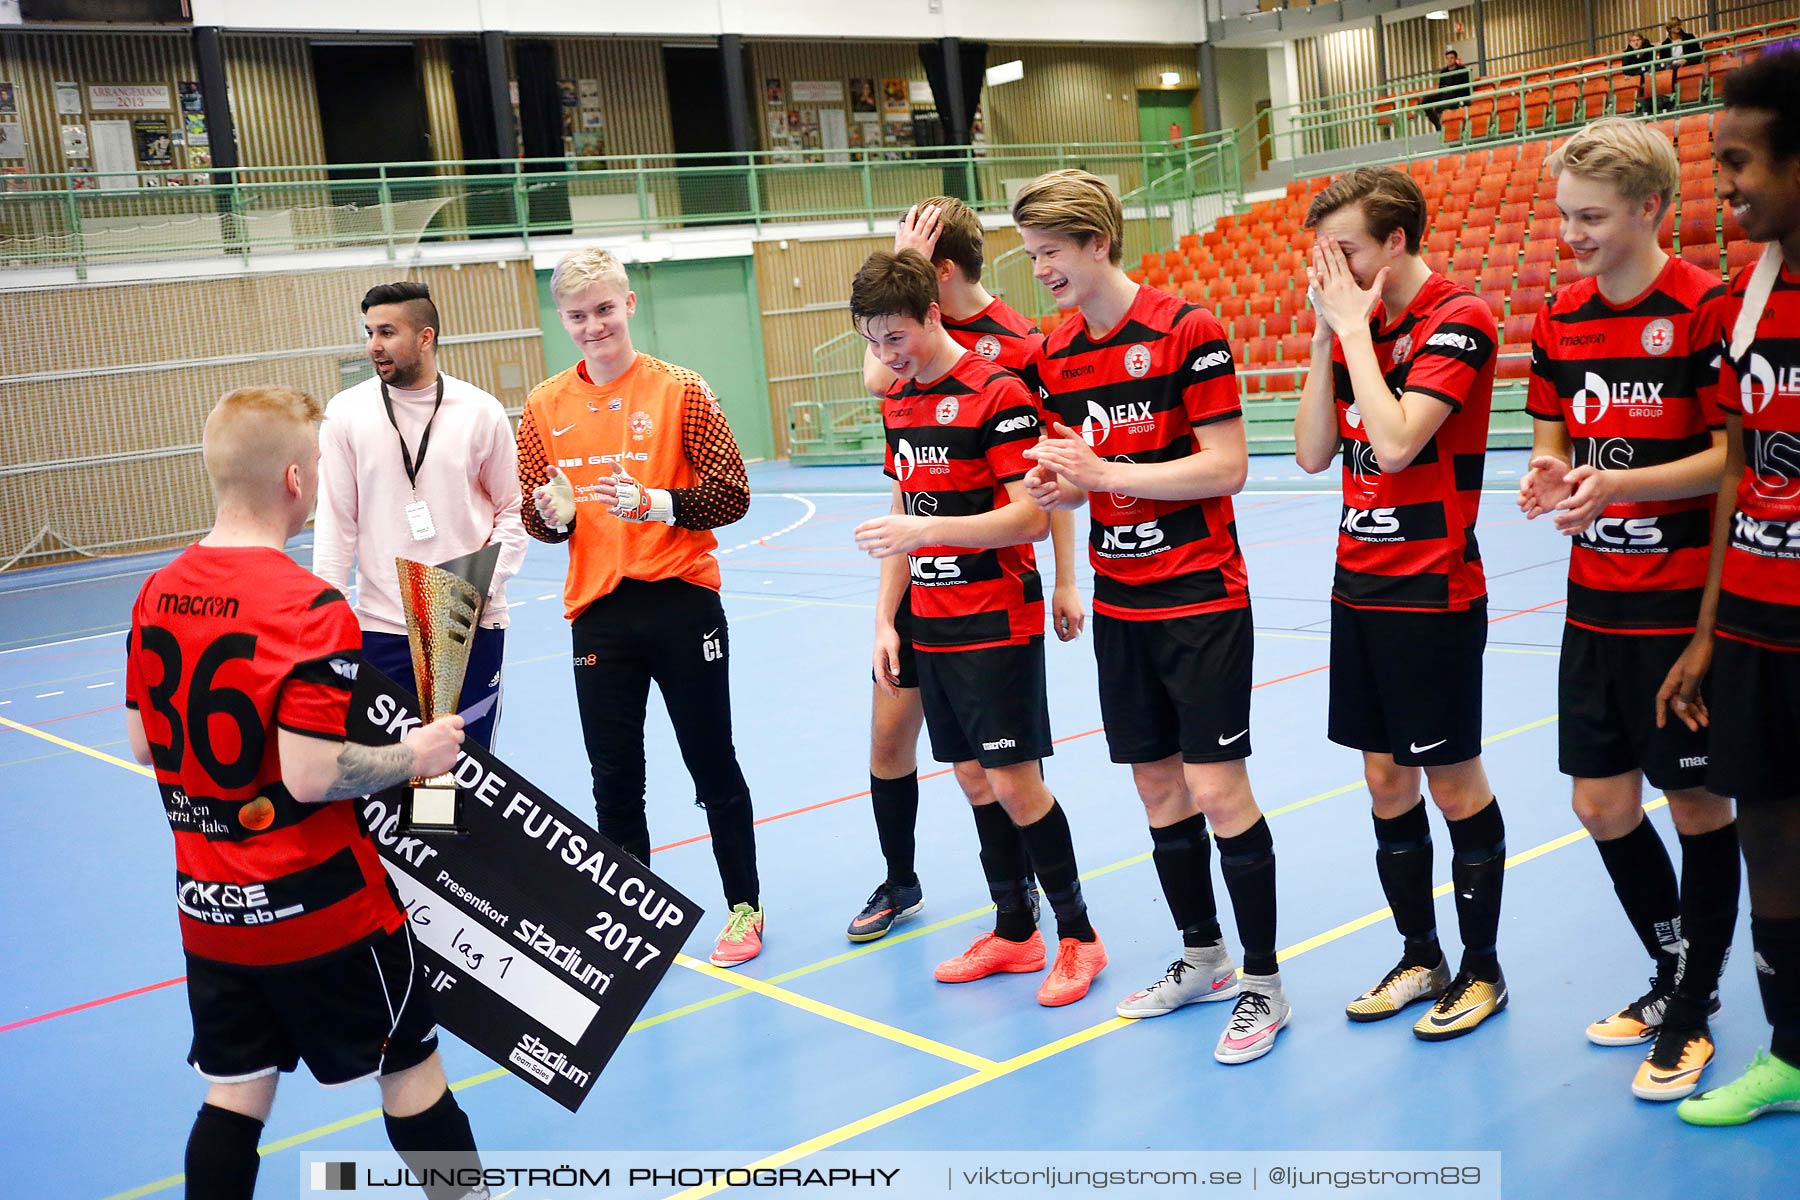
1534, 275
1296, 347
1468, 258
1245, 327
1260, 351
1740, 255
1497, 279
1506, 112
1705, 255
1231, 307
1193, 293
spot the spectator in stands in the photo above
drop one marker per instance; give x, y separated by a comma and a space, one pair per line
1636, 62
1679, 49
1455, 83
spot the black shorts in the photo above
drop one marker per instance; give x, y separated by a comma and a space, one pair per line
1176, 686
351, 1016
1408, 683
988, 706
903, 625
1753, 697
1606, 701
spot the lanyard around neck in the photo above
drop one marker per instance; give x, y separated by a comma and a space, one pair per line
413, 467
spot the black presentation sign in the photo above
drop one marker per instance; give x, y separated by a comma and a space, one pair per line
541, 941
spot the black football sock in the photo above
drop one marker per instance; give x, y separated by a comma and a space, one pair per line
1644, 880
1403, 861
1711, 877
1052, 851
438, 1144
896, 805
1248, 862
1182, 854
1008, 870
221, 1158
1478, 871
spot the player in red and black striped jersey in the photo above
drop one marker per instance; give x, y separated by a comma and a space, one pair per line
1149, 435
1752, 597
1404, 387
1623, 376
957, 429
948, 233
238, 676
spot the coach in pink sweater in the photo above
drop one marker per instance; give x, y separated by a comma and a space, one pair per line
415, 464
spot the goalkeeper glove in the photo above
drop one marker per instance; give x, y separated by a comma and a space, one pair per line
639, 503
556, 501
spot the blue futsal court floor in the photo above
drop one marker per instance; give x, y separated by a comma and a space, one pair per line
819, 1045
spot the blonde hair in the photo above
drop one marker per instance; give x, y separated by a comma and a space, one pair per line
1074, 203
1636, 159
253, 435
582, 268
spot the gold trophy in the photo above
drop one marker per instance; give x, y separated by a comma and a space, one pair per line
443, 605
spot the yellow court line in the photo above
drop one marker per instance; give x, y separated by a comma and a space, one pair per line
831, 1012
924, 1100
738, 983
66, 744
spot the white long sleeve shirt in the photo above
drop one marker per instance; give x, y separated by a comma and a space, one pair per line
469, 479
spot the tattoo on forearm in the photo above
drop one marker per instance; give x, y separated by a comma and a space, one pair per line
364, 770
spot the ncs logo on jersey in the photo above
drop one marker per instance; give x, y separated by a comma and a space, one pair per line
947, 410
988, 346
1659, 336
1137, 361
1402, 348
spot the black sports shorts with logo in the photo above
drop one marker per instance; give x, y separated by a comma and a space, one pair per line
903, 625
1176, 686
988, 705
1753, 698
1408, 683
1606, 700
356, 1014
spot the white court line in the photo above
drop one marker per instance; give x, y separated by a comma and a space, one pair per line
65, 641
811, 510
45, 695
92, 686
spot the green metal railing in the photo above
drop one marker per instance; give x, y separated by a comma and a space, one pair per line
77, 219
1370, 116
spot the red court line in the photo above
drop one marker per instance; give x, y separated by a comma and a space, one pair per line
1536, 608
75, 1008
70, 717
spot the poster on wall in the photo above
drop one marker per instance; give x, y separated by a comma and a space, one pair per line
74, 141
834, 133
115, 157
155, 148
866, 130
16, 181
198, 157
777, 129
818, 91
9, 98
774, 95
862, 96
129, 97
68, 97
918, 91
12, 140
191, 100
193, 128
589, 91
895, 100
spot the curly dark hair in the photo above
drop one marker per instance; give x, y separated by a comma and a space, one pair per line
1767, 83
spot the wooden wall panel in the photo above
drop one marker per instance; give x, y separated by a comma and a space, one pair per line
443, 134
274, 100
32, 62
143, 393
632, 92
1522, 34
1415, 47
1076, 93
